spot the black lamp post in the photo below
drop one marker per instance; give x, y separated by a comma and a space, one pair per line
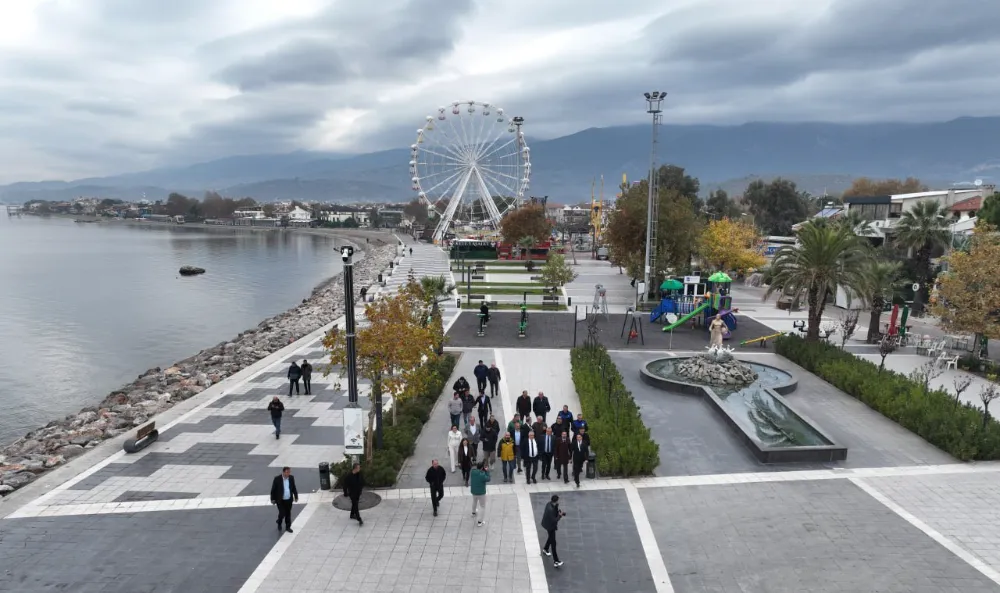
347, 254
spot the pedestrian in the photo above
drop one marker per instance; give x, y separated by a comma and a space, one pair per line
546, 449
541, 406
517, 435
455, 409
435, 479
307, 372
529, 452
481, 373
484, 406
579, 423
566, 416
294, 374
474, 434
411, 251
505, 451
523, 406
550, 523
494, 379
480, 477
510, 425
454, 440
559, 427
586, 436
484, 310
491, 434
461, 386
354, 482
465, 459
276, 408
283, 493
580, 453
564, 454
539, 426
468, 403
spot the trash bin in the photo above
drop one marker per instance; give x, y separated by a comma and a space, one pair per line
324, 476
591, 465
380, 278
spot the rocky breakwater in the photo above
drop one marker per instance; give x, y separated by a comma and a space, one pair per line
716, 367
159, 389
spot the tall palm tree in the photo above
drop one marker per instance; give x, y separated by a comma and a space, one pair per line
855, 222
923, 229
881, 283
825, 256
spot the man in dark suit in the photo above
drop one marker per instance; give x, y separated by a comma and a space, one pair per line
564, 454
546, 449
283, 493
529, 452
581, 451
353, 485
435, 479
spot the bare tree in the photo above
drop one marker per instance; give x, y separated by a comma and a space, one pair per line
886, 347
926, 373
848, 324
961, 383
988, 393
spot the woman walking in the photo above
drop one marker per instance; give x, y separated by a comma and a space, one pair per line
454, 439
465, 459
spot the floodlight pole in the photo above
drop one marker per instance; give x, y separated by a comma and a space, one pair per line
653, 101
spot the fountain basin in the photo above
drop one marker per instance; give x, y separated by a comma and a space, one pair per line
768, 425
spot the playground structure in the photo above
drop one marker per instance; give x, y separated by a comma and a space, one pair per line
696, 300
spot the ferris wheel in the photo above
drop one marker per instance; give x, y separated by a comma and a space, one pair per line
471, 164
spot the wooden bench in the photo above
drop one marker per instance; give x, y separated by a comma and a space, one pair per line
550, 301
143, 437
478, 277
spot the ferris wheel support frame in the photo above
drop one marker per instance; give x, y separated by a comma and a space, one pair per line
488, 203
453, 202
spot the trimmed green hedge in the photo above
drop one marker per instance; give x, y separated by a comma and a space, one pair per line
400, 440
620, 439
935, 416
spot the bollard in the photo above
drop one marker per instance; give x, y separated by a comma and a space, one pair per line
458, 302
569, 301
591, 465
380, 278
324, 475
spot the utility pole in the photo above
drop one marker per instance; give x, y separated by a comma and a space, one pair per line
653, 101
347, 255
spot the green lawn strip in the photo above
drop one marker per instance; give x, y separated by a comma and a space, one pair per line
514, 306
520, 270
480, 284
506, 291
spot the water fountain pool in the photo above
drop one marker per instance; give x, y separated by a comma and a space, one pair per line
749, 397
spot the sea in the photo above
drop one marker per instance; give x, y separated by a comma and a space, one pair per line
86, 308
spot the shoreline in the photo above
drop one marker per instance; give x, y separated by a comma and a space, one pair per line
159, 389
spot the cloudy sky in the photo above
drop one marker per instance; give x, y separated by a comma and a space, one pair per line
95, 87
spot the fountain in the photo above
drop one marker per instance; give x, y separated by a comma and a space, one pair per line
748, 395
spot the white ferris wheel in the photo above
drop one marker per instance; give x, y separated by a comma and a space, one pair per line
471, 164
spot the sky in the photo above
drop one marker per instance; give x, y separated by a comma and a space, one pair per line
99, 87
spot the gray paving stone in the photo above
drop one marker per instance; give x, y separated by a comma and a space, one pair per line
202, 551
597, 541
291, 423
821, 536
136, 496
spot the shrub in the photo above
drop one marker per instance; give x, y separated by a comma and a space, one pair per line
620, 439
936, 416
399, 440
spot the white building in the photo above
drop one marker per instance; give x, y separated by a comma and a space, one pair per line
884, 212
299, 215
360, 217
251, 213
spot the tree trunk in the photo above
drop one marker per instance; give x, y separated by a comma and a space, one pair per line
815, 314
377, 396
986, 414
923, 274
875, 320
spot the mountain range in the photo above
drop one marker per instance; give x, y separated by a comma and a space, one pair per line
820, 157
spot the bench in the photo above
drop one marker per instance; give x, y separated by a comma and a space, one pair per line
551, 301
477, 297
478, 277
143, 437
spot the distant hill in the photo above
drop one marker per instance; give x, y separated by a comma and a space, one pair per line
818, 156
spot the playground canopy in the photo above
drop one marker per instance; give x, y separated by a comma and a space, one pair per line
720, 277
671, 284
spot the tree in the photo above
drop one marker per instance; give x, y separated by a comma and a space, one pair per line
178, 204
885, 347
969, 292
990, 211
556, 272
776, 206
988, 393
731, 245
864, 186
961, 383
391, 351
847, 325
824, 258
881, 283
925, 373
269, 210
672, 177
417, 211
923, 229
350, 223
720, 205
527, 221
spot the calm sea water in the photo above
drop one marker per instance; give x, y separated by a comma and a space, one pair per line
85, 308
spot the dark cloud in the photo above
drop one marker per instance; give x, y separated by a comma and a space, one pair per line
307, 61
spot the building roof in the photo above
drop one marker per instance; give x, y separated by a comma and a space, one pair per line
958, 193
968, 205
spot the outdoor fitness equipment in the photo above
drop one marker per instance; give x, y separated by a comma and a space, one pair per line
470, 153
522, 326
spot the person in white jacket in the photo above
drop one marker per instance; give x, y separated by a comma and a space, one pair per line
454, 440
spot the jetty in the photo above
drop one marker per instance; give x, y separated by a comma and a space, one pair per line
14, 210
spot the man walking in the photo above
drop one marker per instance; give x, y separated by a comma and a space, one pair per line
482, 374
491, 434
455, 409
480, 476
307, 373
484, 407
541, 406
276, 408
564, 453
294, 374
283, 493
474, 434
546, 450
579, 423
353, 484
566, 416
505, 451
435, 479
523, 406
468, 402
550, 523
493, 376
580, 453
530, 454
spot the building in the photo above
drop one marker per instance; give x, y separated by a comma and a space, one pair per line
884, 212
252, 213
964, 214
299, 217
361, 218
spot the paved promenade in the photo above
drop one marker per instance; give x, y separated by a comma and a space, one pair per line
190, 514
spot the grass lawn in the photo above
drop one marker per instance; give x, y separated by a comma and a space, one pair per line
507, 270
493, 289
515, 307
481, 284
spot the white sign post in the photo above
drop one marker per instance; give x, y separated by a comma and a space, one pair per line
354, 431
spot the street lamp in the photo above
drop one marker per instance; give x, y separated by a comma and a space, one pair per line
352, 413
653, 103
518, 121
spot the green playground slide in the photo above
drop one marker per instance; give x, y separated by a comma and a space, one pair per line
680, 321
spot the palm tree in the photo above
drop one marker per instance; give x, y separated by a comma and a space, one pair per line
856, 223
923, 229
881, 283
825, 256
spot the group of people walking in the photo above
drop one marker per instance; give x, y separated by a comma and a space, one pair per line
297, 373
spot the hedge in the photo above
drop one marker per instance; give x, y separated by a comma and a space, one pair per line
935, 416
620, 439
400, 440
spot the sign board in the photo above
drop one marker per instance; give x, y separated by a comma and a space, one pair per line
915, 287
692, 279
354, 431
640, 288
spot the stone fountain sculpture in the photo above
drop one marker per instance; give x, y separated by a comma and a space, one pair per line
717, 366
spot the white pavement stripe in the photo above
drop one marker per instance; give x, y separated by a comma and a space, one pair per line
506, 403
256, 579
150, 506
536, 570
658, 570
970, 558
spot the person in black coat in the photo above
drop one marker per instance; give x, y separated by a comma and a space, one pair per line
354, 482
580, 451
541, 405
482, 374
550, 523
276, 408
294, 374
485, 408
435, 478
493, 376
465, 459
283, 494
461, 386
307, 373
523, 406
530, 454
547, 444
